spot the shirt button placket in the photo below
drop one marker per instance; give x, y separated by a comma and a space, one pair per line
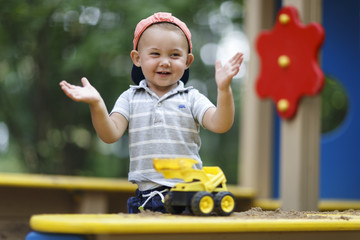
158, 118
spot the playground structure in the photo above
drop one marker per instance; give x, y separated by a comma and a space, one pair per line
300, 135
203, 192
322, 167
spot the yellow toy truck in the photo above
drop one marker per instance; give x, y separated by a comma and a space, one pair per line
203, 192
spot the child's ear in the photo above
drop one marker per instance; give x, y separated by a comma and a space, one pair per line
190, 59
135, 58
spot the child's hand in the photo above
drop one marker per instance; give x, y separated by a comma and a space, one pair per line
87, 93
224, 74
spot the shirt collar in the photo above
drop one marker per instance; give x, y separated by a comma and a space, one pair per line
180, 87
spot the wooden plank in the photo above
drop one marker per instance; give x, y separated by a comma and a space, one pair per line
300, 138
256, 131
237, 236
93, 202
65, 182
166, 223
71, 183
323, 205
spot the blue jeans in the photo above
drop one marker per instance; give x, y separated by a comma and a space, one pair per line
154, 204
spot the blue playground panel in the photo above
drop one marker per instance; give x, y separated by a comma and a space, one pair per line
48, 236
340, 59
340, 156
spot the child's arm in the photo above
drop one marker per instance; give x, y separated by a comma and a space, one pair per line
221, 118
109, 128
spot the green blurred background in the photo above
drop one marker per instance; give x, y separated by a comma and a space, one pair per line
44, 42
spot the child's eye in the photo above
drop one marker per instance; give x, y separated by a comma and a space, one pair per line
154, 54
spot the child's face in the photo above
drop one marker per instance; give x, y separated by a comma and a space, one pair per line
163, 56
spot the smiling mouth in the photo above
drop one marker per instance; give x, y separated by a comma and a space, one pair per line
164, 73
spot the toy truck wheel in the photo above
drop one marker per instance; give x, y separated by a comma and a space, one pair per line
171, 208
224, 203
202, 204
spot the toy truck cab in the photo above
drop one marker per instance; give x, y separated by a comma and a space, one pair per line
203, 192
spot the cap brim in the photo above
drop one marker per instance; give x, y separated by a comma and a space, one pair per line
137, 75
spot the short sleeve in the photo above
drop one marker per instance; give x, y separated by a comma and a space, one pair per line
200, 104
122, 104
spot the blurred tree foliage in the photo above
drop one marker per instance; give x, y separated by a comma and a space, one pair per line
43, 42
335, 105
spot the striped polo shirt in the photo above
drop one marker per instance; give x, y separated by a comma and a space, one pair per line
166, 127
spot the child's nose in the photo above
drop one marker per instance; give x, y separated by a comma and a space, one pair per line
165, 62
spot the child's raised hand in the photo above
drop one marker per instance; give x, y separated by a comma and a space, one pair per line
224, 74
87, 93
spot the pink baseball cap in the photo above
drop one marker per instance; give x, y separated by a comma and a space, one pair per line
136, 72
158, 18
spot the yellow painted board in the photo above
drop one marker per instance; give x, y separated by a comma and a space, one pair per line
86, 183
324, 205
244, 192
332, 205
164, 223
64, 182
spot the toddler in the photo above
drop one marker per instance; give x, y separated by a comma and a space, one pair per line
161, 115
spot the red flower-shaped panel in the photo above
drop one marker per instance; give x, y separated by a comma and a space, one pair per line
289, 64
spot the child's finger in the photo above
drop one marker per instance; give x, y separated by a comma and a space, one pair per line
218, 65
66, 84
63, 83
85, 82
237, 58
